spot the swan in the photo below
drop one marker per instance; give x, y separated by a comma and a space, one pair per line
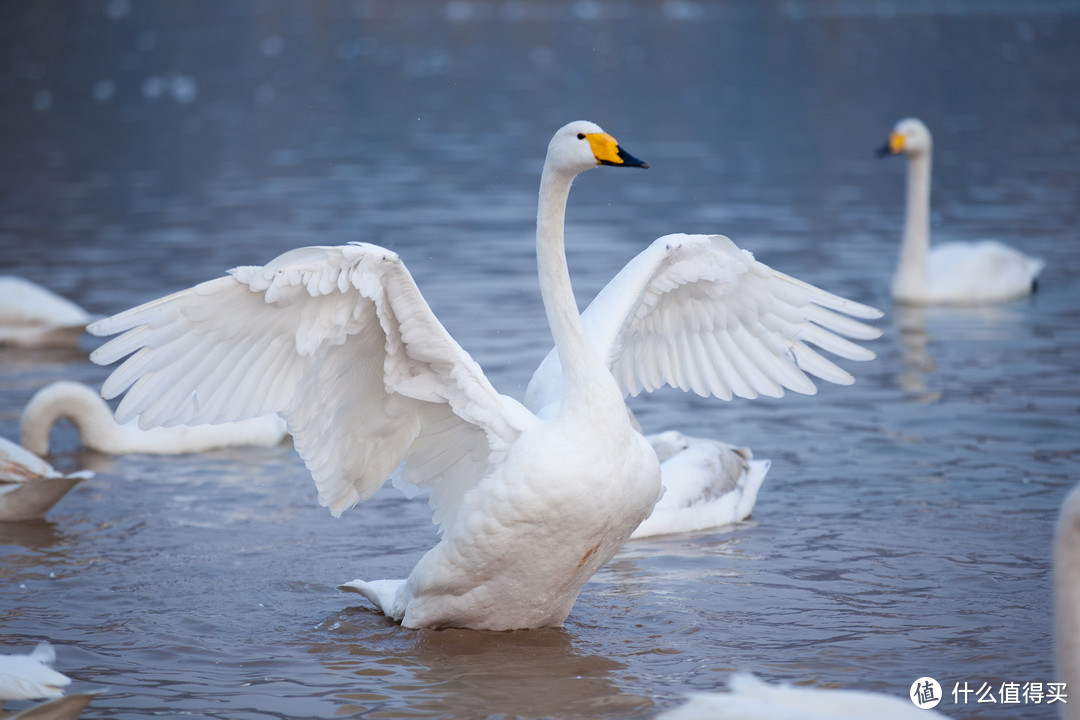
29, 486
951, 273
753, 699
340, 341
1066, 556
98, 429
31, 677
707, 484
32, 316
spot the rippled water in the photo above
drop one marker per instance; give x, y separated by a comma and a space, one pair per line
904, 527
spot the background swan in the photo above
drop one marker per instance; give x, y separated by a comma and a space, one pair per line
1067, 601
706, 484
340, 341
950, 273
752, 699
29, 486
31, 677
98, 429
34, 317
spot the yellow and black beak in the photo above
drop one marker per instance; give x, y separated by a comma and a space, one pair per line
607, 152
894, 146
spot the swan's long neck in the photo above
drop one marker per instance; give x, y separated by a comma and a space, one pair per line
81, 405
583, 372
1067, 592
910, 280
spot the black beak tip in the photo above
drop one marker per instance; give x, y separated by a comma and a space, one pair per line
883, 151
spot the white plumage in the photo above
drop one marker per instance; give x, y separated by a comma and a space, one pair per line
31, 677
707, 484
752, 699
340, 342
99, 431
951, 273
1067, 601
32, 316
667, 318
29, 486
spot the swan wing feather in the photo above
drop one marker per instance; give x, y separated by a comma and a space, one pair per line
338, 341
698, 313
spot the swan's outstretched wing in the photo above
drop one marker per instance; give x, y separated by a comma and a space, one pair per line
698, 313
340, 342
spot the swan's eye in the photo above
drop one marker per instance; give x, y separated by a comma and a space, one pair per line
581, 136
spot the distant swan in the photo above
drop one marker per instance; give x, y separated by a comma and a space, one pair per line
950, 273
752, 699
340, 341
34, 317
29, 486
31, 677
98, 429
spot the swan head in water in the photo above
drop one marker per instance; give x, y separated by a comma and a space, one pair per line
581, 145
909, 137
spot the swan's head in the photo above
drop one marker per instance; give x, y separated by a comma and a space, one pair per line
909, 137
581, 145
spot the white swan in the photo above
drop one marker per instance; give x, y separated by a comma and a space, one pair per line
340, 341
950, 273
34, 317
31, 677
98, 429
1067, 600
29, 486
752, 699
707, 484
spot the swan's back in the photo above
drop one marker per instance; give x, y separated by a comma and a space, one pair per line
29, 677
753, 699
986, 271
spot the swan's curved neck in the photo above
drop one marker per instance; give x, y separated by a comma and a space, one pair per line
583, 372
81, 405
910, 279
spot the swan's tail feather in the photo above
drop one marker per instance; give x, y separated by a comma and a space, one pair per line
386, 595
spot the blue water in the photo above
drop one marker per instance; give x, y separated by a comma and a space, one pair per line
904, 528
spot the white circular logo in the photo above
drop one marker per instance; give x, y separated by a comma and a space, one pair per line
925, 693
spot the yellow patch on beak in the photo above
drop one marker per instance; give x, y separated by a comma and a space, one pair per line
896, 143
605, 148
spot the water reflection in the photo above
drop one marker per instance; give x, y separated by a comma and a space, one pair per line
30, 534
918, 363
468, 673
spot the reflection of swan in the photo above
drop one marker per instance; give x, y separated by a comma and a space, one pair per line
31, 677
340, 341
34, 317
952, 273
99, 431
752, 699
707, 484
68, 707
1067, 599
29, 486
534, 674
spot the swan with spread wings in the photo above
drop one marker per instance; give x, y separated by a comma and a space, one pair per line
340, 342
